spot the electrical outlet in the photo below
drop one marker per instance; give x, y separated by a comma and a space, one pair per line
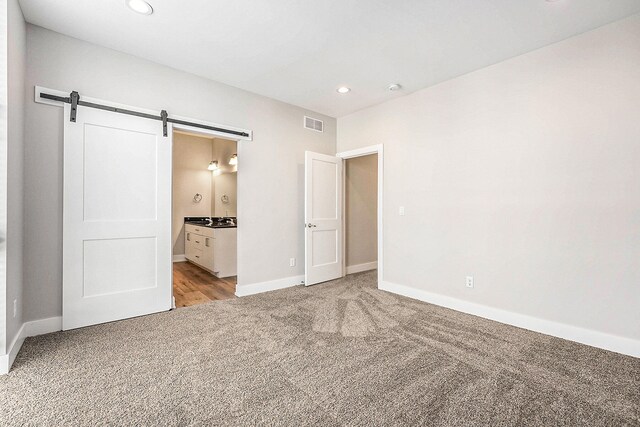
469, 281
401, 211
15, 308
292, 262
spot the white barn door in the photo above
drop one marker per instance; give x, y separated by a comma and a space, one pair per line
323, 218
116, 218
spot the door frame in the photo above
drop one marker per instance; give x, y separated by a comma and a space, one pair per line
350, 154
207, 134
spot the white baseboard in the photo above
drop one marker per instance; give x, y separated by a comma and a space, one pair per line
590, 337
6, 360
179, 258
4, 364
42, 326
272, 285
28, 329
358, 268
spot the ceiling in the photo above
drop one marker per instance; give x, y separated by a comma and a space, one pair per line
300, 51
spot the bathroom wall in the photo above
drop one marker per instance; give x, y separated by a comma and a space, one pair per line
224, 181
191, 156
226, 184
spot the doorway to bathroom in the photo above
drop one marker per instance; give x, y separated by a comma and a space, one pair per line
204, 218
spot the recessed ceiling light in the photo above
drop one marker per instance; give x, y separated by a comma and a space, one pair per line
140, 6
343, 89
394, 87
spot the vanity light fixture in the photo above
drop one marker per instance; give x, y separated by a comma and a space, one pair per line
213, 165
140, 6
233, 161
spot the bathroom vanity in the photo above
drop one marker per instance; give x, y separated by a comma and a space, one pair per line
211, 243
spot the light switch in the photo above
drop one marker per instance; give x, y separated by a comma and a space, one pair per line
401, 211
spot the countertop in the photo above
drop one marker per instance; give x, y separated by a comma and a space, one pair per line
216, 222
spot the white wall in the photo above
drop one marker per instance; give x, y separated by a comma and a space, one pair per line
361, 210
270, 175
16, 66
191, 157
525, 175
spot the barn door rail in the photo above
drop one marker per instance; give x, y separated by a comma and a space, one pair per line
75, 101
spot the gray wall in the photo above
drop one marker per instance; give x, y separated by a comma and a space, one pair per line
361, 209
270, 200
16, 57
525, 175
3, 182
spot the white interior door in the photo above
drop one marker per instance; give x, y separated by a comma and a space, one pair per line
323, 218
116, 219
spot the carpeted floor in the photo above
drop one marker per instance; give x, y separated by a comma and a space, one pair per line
341, 353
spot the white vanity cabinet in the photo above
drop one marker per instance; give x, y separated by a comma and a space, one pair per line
197, 244
214, 249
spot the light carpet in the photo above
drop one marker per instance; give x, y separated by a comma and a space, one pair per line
340, 353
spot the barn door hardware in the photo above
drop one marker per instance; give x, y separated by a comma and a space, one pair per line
75, 98
75, 101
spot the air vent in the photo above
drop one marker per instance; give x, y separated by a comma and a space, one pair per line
313, 124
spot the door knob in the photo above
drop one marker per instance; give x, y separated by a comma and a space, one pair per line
311, 225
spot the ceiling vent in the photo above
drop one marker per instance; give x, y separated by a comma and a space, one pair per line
313, 124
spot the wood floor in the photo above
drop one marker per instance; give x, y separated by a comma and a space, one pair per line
193, 285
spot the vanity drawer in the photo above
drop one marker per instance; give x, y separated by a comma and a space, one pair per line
198, 257
192, 251
196, 240
197, 229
